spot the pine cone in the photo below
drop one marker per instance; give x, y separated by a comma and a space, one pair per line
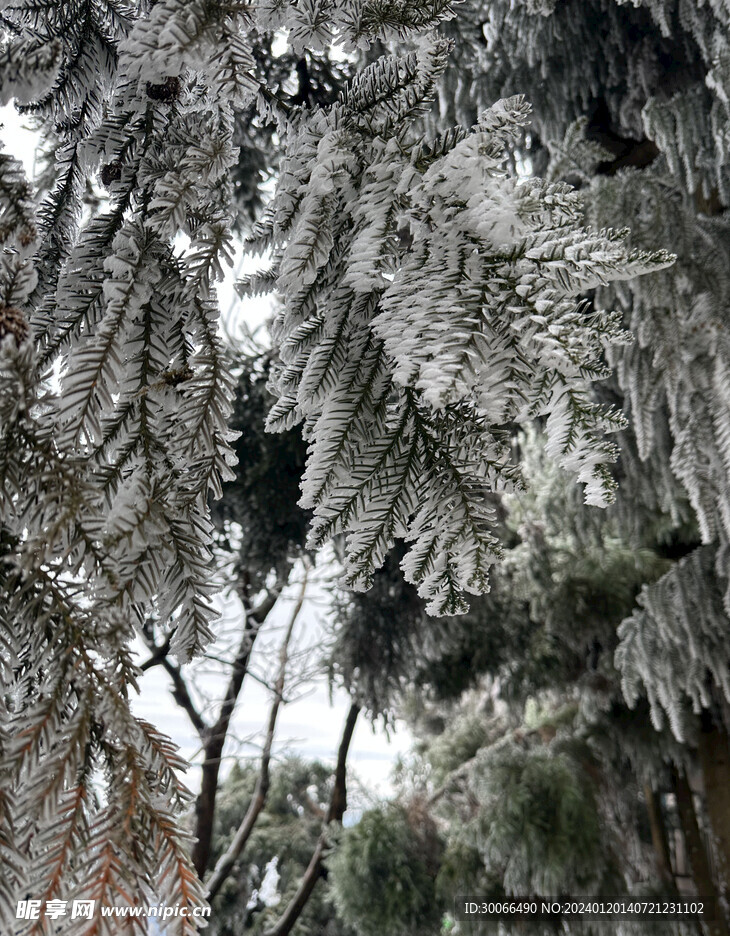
111, 172
172, 378
13, 322
167, 92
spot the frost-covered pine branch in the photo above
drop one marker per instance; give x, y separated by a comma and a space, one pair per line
673, 648
431, 298
106, 480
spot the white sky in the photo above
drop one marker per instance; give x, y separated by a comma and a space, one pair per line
311, 724
17, 140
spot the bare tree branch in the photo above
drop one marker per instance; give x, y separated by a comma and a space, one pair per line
335, 812
181, 694
158, 654
262, 609
213, 737
180, 691
227, 861
459, 773
217, 733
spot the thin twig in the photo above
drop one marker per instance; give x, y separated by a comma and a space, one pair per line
335, 812
181, 694
227, 861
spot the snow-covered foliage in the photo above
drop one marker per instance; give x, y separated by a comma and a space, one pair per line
631, 104
660, 67
637, 112
647, 104
676, 375
521, 793
673, 648
114, 432
430, 298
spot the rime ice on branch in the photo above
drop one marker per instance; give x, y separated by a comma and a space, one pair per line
402, 390
430, 299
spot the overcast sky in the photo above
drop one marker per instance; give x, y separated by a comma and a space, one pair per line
310, 724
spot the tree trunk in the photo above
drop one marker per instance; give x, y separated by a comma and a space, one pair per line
698, 860
215, 736
659, 839
714, 757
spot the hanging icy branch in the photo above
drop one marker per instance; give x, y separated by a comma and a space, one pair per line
105, 482
673, 648
430, 300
